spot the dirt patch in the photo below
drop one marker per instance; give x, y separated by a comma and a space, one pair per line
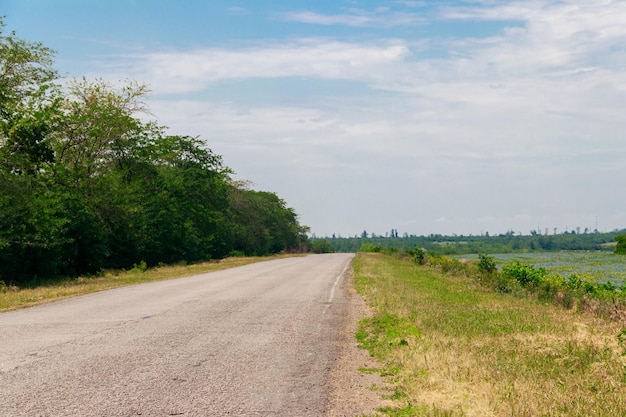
353, 392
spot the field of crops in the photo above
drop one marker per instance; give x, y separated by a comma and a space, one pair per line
595, 266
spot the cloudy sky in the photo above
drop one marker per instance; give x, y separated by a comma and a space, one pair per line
451, 117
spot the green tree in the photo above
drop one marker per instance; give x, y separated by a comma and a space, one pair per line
30, 225
26, 75
260, 223
621, 244
321, 246
186, 203
97, 128
85, 184
99, 119
486, 264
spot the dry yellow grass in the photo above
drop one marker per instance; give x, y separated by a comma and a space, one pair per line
480, 353
13, 297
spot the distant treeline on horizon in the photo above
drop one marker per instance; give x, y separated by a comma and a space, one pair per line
460, 244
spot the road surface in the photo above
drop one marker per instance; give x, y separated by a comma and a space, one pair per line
257, 340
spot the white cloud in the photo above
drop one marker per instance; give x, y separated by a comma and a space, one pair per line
179, 72
381, 17
523, 129
324, 19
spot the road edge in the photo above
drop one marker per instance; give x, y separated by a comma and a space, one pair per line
353, 392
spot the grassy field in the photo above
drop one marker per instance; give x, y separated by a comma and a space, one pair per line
13, 297
452, 348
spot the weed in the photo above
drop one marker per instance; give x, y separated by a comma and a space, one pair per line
140, 267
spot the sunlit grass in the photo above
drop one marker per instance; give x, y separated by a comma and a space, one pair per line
13, 297
461, 350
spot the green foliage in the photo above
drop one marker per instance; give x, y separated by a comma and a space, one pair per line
486, 264
573, 291
369, 247
260, 223
26, 75
321, 246
448, 265
526, 275
419, 256
576, 283
140, 267
621, 244
460, 244
85, 184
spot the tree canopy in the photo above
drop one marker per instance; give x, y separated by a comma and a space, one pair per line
85, 184
621, 244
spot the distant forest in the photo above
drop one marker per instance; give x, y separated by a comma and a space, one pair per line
458, 245
87, 184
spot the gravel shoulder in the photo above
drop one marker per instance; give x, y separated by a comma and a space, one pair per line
353, 392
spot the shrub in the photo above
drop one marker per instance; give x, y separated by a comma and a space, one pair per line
526, 275
486, 264
370, 247
448, 265
419, 256
550, 287
140, 267
579, 285
500, 283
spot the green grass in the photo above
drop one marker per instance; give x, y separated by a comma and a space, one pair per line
453, 348
13, 297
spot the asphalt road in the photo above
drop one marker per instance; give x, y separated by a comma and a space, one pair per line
257, 340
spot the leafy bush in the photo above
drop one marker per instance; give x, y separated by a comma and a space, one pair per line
486, 264
579, 285
140, 267
419, 256
526, 275
500, 283
550, 288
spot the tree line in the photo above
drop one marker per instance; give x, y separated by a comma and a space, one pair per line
87, 184
458, 244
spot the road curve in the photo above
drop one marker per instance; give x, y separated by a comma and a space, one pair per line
257, 340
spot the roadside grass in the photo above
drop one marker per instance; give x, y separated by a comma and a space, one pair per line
451, 347
13, 297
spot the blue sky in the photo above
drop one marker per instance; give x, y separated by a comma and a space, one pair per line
451, 117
